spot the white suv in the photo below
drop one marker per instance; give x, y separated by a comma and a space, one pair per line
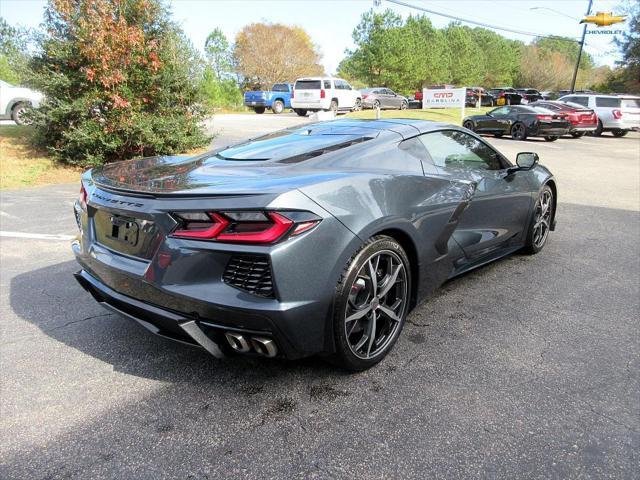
16, 101
616, 113
324, 93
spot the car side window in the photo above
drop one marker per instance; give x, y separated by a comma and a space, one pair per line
500, 111
584, 101
327, 84
608, 102
338, 84
347, 86
454, 150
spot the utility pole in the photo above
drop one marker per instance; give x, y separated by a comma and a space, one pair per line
584, 34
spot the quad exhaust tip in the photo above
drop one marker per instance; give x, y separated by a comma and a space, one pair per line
262, 346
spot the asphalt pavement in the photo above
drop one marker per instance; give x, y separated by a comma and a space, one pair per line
526, 368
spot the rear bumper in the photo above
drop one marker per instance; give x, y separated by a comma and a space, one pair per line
257, 103
551, 131
183, 281
583, 128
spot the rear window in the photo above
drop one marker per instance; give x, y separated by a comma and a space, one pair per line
280, 87
308, 85
608, 102
631, 102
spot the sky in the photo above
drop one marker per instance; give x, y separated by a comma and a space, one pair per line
331, 22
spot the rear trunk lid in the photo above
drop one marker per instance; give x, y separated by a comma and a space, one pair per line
630, 107
255, 97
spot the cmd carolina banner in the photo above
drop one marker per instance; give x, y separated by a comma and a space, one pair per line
443, 98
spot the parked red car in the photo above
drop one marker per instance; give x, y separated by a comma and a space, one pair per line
583, 120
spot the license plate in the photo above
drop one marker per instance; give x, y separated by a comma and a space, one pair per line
131, 236
124, 230
253, 103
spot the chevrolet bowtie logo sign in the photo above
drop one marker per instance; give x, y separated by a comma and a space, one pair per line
603, 19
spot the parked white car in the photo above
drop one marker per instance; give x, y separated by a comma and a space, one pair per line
16, 101
617, 114
313, 94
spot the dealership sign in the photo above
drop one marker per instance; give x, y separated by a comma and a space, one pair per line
444, 98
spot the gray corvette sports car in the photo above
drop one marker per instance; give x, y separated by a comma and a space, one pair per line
318, 239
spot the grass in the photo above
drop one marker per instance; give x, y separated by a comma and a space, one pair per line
21, 165
448, 115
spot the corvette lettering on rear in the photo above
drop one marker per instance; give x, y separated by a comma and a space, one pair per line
116, 201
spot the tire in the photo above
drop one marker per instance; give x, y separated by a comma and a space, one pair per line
599, 129
518, 131
356, 349
619, 133
468, 125
577, 134
18, 113
277, 107
333, 107
551, 138
259, 110
358, 105
300, 111
376, 104
404, 105
536, 239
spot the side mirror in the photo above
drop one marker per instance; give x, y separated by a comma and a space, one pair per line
527, 160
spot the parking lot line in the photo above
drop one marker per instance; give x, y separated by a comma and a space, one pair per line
37, 236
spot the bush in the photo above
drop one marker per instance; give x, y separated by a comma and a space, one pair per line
120, 81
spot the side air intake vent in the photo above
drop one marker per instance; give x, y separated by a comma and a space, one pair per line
251, 273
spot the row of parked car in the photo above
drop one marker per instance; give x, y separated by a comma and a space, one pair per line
575, 114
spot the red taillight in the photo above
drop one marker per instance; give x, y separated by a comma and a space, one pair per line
82, 197
322, 94
617, 114
239, 227
292, 93
501, 95
544, 117
365, 95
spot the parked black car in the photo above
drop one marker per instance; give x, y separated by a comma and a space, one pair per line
529, 94
520, 122
475, 93
506, 96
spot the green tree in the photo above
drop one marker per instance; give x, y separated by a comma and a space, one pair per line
120, 81
218, 52
13, 57
567, 47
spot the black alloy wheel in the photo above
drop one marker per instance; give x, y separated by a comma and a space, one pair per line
468, 125
371, 303
519, 131
541, 221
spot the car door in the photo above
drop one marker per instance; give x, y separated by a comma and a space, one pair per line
499, 121
349, 96
498, 213
391, 99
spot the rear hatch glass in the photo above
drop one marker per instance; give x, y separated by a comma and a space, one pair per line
298, 144
308, 85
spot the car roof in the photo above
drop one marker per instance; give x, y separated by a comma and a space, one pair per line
319, 78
